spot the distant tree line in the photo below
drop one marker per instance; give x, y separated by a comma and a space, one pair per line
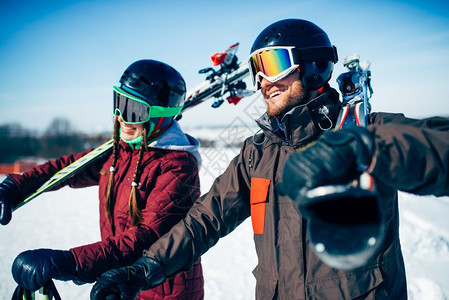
60, 138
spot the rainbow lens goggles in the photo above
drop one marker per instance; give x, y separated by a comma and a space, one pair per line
271, 63
275, 63
134, 110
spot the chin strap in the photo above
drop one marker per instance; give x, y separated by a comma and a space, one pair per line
157, 131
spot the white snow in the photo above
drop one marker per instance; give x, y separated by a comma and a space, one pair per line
69, 217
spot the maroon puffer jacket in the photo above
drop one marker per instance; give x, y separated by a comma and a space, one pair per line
169, 185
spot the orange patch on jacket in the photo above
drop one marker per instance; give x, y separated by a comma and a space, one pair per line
258, 200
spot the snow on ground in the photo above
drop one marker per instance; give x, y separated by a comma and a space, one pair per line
68, 218
424, 231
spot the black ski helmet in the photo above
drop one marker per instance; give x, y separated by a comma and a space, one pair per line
315, 53
156, 82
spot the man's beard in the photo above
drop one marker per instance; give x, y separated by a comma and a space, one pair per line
294, 98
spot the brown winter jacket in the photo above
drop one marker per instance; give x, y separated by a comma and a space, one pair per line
411, 155
169, 184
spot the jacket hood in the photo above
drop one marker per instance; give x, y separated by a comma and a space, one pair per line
175, 139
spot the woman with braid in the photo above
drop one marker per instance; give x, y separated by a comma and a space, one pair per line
146, 186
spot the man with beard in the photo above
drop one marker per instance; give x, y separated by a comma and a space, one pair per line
291, 63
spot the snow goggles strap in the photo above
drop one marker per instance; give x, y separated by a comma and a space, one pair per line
134, 110
271, 63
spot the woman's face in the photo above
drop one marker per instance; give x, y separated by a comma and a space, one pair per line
130, 131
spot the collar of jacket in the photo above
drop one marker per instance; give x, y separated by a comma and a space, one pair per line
303, 123
173, 139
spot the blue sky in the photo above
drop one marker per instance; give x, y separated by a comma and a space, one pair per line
61, 58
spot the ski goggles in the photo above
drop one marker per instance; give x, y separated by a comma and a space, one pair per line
134, 110
271, 63
276, 63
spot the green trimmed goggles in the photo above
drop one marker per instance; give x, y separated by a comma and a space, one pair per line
134, 110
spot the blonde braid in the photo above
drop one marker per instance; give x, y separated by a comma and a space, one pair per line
134, 210
109, 191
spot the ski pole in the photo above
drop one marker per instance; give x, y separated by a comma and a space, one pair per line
47, 292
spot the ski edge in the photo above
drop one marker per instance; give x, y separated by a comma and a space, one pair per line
69, 171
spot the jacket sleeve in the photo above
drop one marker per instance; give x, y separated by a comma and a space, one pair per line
411, 155
173, 194
28, 182
213, 216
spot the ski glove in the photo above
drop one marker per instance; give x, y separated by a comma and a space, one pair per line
9, 192
127, 282
337, 158
32, 269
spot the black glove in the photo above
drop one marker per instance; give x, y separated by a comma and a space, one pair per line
32, 269
127, 282
337, 157
9, 192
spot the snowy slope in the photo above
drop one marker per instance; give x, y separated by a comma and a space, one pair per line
68, 217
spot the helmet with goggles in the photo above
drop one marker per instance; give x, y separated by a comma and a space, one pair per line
151, 92
289, 45
149, 89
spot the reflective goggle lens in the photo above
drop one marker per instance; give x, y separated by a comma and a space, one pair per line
271, 63
131, 109
134, 110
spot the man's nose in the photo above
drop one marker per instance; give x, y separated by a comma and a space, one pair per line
264, 83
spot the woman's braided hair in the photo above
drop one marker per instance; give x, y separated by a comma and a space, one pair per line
134, 209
